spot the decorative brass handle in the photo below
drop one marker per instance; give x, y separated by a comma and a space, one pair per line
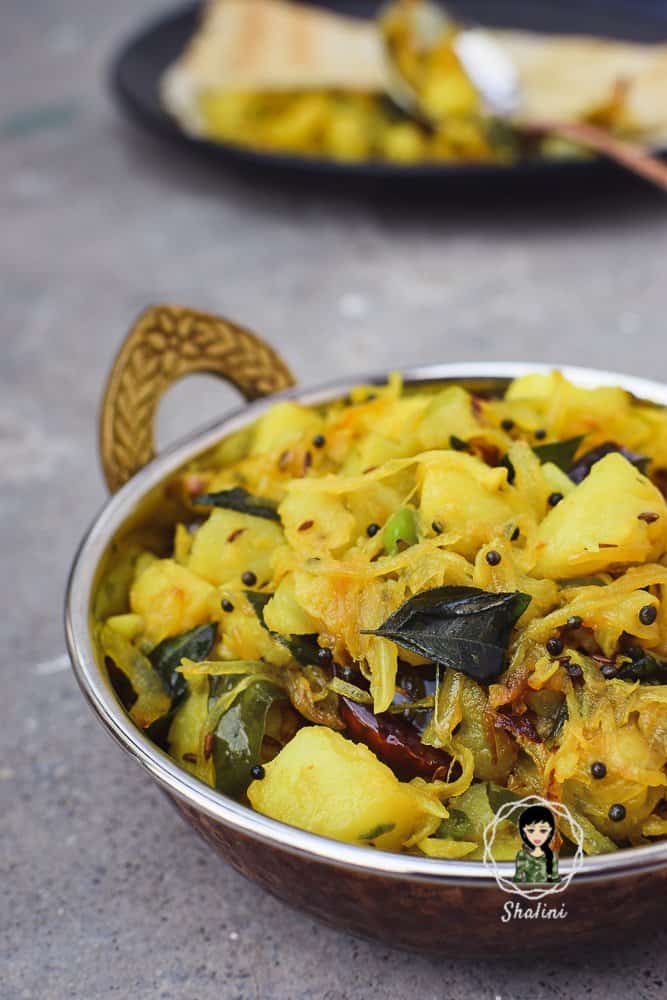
166, 343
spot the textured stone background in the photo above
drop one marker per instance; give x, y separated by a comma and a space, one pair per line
104, 892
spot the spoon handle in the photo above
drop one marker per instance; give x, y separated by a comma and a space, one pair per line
628, 154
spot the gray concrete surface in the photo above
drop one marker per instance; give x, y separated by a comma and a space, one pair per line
104, 892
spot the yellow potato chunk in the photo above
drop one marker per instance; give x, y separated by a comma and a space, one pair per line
230, 544
324, 783
599, 525
185, 730
170, 599
287, 422
315, 523
467, 497
448, 414
348, 135
128, 625
450, 95
403, 143
242, 635
534, 386
284, 614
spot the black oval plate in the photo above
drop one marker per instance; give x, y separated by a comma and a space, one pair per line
141, 61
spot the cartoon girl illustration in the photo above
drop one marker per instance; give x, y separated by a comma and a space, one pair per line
536, 862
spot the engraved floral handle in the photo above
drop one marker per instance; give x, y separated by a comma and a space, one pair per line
166, 343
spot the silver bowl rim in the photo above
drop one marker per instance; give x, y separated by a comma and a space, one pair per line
203, 799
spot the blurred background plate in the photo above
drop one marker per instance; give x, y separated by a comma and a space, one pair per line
142, 59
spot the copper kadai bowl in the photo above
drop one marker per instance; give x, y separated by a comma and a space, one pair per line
443, 907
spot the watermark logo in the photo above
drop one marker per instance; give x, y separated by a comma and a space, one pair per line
536, 872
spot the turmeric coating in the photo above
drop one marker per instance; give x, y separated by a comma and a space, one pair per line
381, 618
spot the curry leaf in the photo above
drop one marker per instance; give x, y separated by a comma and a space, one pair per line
259, 602
560, 453
304, 648
240, 500
464, 628
238, 736
645, 669
166, 657
559, 720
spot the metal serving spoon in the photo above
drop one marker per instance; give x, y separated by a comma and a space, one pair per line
495, 78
